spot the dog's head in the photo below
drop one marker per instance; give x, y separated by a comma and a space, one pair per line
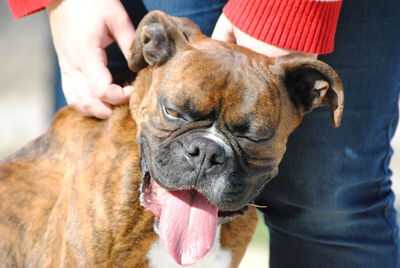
214, 117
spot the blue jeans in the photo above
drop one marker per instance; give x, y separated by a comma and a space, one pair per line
331, 204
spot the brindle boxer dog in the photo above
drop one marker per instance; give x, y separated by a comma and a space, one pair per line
205, 130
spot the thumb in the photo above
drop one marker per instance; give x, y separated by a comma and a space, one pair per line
224, 30
122, 29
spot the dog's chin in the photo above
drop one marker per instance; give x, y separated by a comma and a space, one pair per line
152, 195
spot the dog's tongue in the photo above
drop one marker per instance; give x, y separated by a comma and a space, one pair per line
187, 226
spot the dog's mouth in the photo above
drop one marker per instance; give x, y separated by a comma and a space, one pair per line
187, 221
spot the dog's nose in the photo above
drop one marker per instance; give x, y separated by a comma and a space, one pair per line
205, 153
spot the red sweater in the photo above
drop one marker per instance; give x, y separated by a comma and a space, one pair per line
20, 8
303, 25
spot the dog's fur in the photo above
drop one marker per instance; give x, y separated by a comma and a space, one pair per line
70, 198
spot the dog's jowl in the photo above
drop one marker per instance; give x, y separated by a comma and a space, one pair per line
168, 179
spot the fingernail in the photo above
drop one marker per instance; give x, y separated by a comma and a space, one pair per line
127, 90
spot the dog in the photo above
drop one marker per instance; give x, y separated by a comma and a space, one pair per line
168, 179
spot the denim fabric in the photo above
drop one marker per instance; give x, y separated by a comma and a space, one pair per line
331, 204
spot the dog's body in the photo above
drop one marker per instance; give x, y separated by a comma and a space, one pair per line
71, 199
212, 120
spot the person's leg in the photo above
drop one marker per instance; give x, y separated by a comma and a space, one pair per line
205, 13
331, 204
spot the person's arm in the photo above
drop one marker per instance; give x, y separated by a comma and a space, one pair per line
307, 26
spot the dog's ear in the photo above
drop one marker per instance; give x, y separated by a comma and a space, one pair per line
158, 37
311, 83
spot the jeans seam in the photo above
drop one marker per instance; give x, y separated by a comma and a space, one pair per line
388, 174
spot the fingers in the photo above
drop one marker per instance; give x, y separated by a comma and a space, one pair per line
127, 91
224, 30
99, 80
261, 47
89, 88
248, 41
79, 96
122, 29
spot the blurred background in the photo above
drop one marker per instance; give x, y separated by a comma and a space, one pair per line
26, 100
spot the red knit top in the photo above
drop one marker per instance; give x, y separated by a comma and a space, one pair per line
303, 25
20, 8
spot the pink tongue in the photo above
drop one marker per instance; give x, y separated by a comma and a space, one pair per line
187, 227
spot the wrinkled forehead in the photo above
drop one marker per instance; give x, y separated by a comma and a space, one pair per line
207, 69
214, 77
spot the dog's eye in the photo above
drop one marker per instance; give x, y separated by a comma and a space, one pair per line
262, 136
251, 139
171, 113
255, 139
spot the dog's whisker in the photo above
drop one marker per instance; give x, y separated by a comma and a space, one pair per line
257, 206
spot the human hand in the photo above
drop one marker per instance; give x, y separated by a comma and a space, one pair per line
81, 30
225, 31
